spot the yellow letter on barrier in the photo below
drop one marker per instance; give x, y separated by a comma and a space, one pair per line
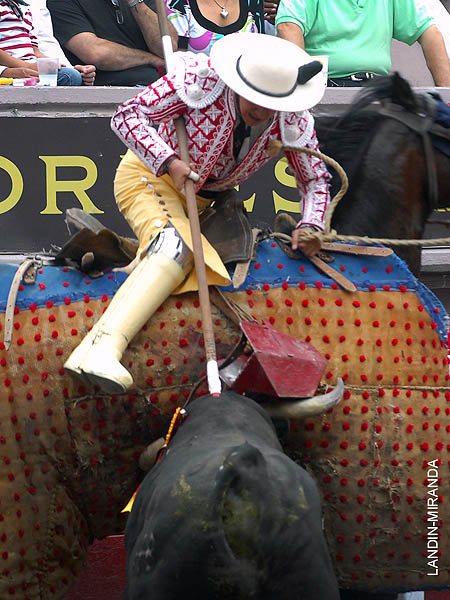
279, 202
16, 185
78, 187
249, 203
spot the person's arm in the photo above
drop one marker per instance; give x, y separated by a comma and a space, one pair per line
180, 23
87, 73
147, 20
109, 56
312, 179
15, 67
38, 53
135, 123
292, 33
270, 10
18, 73
435, 53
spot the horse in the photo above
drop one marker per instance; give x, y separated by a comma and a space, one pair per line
391, 164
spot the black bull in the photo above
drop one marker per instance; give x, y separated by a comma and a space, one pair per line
226, 514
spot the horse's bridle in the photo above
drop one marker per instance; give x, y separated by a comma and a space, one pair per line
424, 124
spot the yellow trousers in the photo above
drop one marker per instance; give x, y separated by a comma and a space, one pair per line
148, 203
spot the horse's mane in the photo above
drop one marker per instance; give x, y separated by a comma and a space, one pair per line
392, 87
346, 140
347, 137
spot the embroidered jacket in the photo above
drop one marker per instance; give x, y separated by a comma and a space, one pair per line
194, 90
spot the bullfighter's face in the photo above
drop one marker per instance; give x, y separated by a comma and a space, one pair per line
253, 114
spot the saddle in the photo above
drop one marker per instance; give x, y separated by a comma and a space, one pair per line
93, 247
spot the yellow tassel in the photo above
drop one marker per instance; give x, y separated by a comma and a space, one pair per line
129, 506
179, 411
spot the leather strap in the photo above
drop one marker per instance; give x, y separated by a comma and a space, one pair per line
345, 283
352, 249
241, 269
11, 302
230, 309
423, 124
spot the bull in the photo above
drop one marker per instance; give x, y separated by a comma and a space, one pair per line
227, 515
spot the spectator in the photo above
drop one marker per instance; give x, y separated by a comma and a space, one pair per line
249, 90
440, 13
357, 36
19, 45
270, 10
16, 70
120, 37
200, 24
42, 24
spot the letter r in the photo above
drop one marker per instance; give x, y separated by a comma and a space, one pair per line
78, 187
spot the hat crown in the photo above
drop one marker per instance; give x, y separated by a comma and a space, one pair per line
271, 74
269, 71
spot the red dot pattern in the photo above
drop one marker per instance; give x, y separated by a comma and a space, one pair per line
63, 441
370, 453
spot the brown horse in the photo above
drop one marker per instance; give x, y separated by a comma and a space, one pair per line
392, 167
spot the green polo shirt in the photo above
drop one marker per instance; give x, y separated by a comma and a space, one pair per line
356, 34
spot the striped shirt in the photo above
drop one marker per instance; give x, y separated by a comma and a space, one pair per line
17, 36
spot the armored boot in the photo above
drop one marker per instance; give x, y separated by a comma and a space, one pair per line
97, 358
72, 364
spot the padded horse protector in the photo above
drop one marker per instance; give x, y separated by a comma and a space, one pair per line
69, 453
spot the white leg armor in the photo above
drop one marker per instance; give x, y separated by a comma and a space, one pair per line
97, 359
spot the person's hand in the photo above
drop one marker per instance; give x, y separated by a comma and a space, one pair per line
20, 72
270, 11
87, 73
309, 247
179, 172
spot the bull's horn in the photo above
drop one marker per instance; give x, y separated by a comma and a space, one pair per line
148, 456
299, 409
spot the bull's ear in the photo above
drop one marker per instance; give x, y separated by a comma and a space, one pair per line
308, 71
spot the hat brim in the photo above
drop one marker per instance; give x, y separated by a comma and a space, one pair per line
226, 52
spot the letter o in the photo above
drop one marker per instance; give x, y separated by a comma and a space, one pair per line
16, 185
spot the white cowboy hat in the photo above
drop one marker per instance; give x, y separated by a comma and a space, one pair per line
269, 71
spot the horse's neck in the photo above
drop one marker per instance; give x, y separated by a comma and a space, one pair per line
443, 176
381, 201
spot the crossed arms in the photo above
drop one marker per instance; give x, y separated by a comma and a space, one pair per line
111, 56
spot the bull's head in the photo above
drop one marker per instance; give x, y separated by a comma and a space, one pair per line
306, 407
289, 409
